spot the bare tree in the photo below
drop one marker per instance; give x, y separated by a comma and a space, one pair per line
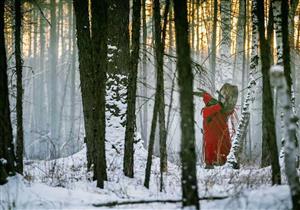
159, 104
99, 55
185, 81
268, 121
128, 161
19, 106
7, 157
290, 120
86, 73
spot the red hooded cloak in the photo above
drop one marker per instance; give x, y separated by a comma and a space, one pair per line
216, 137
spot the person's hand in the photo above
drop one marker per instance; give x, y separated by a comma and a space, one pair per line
199, 93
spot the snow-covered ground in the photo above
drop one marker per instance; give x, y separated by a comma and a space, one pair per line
65, 184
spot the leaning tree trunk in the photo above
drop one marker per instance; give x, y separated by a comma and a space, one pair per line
233, 156
99, 54
268, 121
19, 105
185, 81
290, 120
7, 158
159, 103
128, 163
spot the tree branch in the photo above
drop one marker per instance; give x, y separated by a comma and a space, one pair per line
119, 203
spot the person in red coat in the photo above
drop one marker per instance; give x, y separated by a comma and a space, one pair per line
216, 136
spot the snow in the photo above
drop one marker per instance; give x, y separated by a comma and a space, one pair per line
64, 183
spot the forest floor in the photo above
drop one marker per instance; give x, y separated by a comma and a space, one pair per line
65, 184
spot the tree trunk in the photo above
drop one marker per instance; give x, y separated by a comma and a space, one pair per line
290, 149
159, 104
268, 121
85, 71
233, 156
53, 80
19, 105
144, 118
290, 131
6, 144
128, 161
185, 81
72, 49
214, 46
99, 54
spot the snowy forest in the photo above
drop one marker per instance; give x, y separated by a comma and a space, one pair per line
149, 104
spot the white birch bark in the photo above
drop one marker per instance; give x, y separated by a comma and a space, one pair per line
276, 5
232, 158
290, 120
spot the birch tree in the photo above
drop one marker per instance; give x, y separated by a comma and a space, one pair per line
233, 156
225, 48
290, 120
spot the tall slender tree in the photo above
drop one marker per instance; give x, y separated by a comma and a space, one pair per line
268, 121
99, 55
290, 148
159, 104
128, 160
185, 81
214, 44
86, 72
18, 57
7, 157
53, 79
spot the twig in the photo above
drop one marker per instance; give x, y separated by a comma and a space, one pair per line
42, 13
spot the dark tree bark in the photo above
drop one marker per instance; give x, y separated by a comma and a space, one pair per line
85, 71
118, 42
7, 157
159, 104
268, 121
185, 81
266, 156
99, 52
118, 35
128, 161
19, 106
